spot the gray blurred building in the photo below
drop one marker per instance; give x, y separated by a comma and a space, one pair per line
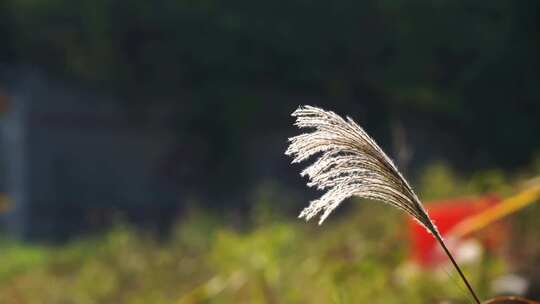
69, 159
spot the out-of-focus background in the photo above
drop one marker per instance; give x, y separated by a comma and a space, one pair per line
142, 146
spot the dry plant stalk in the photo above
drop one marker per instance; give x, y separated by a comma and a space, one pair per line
352, 164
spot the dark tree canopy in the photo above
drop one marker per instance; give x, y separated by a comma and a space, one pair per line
233, 70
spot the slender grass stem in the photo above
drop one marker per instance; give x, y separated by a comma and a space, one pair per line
461, 274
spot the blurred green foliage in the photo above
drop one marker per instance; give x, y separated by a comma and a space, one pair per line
439, 180
358, 256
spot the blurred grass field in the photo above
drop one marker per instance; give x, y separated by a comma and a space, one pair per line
358, 256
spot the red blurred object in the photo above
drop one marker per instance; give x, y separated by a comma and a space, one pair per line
446, 214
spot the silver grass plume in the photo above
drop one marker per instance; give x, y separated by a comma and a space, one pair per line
352, 164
